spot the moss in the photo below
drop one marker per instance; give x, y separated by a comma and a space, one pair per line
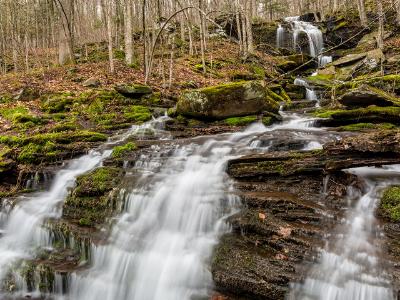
10, 140
323, 113
120, 151
340, 25
19, 115
268, 121
34, 153
390, 203
171, 112
66, 138
240, 121
362, 126
58, 103
96, 182
137, 114
258, 71
65, 126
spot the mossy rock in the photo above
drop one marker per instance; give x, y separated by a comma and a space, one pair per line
390, 203
120, 151
97, 182
240, 121
137, 114
134, 91
36, 153
364, 96
235, 99
58, 103
6, 162
367, 126
371, 114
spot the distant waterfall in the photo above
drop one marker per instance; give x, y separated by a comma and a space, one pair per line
314, 35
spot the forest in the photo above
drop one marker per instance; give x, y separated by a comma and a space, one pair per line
200, 150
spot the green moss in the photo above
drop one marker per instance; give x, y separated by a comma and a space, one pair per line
258, 71
240, 121
323, 113
390, 203
66, 138
362, 126
120, 151
268, 121
137, 114
34, 153
58, 103
97, 182
10, 140
65, 126
171, 112
20, 116
340, 25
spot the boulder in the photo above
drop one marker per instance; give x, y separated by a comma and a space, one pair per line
134, 91
91, 82
227, 100
27, 94
349, 59
365, 95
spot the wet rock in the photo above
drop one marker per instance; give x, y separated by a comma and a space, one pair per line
93, 199
91, 82
364, 96
281, 225
227, 100
134, 91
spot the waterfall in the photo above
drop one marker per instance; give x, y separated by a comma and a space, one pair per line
349, 266
311, 94
280, 37
161, 245
21, 225
314, 36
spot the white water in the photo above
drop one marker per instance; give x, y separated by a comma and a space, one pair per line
280, 37
314, 35
22, 231
161, 246
349, 266
21, 225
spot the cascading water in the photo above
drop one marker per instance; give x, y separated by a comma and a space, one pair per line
349, 266
314, 36
160, 247
280, 37
21, 225
316, 46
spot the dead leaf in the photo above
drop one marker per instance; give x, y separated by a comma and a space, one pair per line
261, 216
285, 231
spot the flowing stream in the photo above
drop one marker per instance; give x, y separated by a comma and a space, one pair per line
160, 247
349, 267
178, 197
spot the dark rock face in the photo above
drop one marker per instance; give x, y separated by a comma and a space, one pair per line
275, 234
310, 17
291, 200
227, 100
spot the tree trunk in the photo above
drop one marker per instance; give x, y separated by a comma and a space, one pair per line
128, 33
110, 35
